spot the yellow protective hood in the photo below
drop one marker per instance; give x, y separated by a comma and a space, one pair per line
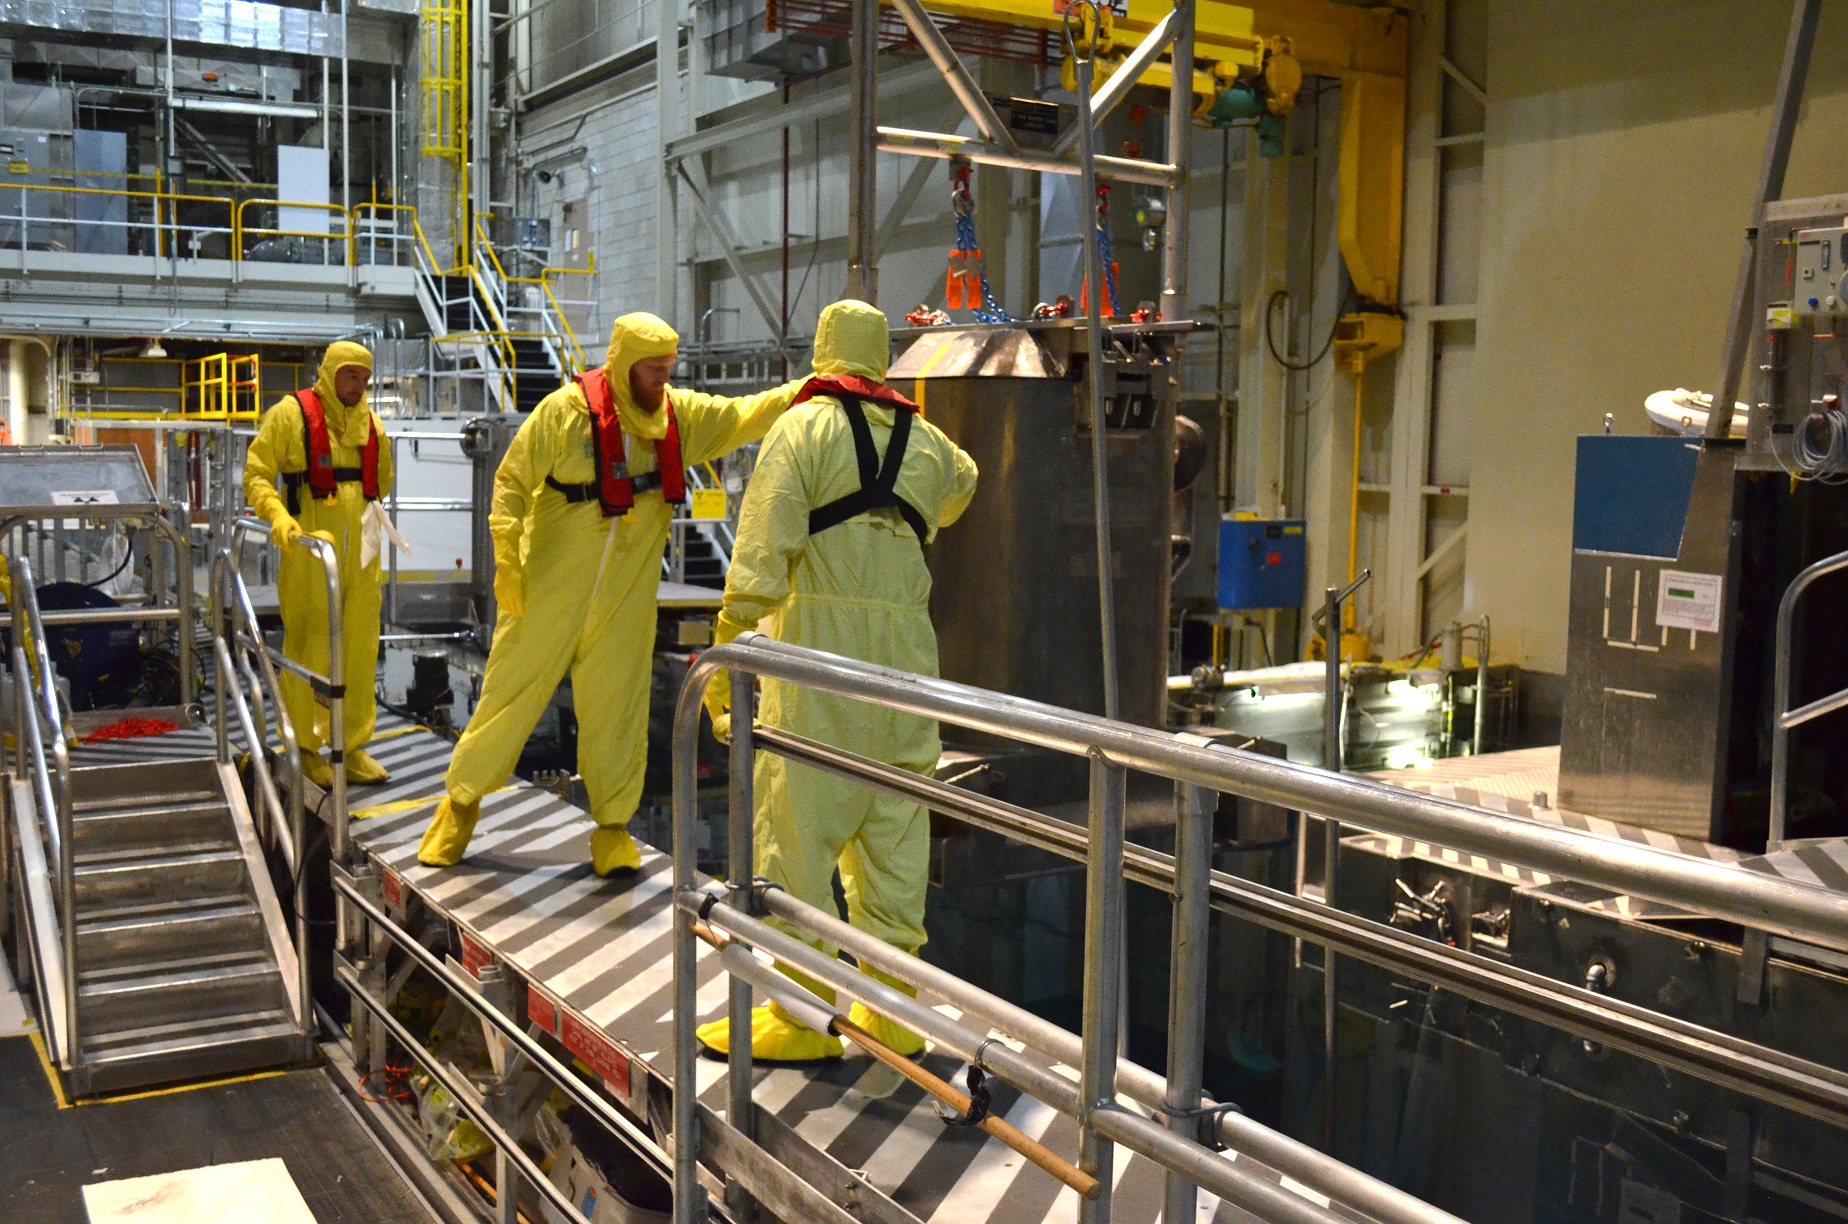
346, 426
637, 337
852, 338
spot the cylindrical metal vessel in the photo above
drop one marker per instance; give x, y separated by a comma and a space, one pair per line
1014, 592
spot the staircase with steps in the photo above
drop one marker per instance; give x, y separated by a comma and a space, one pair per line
183, 962
472, 317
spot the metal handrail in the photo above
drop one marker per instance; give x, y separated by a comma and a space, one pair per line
330, 691
1784, 718
1770, 903
57, 805
283, 821
39, 906
1799, 910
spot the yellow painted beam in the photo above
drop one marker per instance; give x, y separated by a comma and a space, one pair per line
1370, 212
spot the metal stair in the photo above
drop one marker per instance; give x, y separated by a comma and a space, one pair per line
183, 963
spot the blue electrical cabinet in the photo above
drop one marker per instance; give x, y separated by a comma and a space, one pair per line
1263, 563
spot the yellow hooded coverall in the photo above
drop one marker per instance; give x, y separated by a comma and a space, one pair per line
860, 589
281, 446
577, 591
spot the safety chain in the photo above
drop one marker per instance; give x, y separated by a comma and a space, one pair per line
1107, 308
968, 279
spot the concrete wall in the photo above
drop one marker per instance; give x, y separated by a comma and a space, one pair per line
1623, 143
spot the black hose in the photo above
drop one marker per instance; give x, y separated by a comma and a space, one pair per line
128, 554
1270, 339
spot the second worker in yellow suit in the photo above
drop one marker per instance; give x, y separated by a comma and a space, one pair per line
580, 521
830, 549
318, 466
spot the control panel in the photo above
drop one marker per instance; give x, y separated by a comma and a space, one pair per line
1262, 563
1819, 272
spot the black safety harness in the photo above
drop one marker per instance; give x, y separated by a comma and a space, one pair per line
878, 481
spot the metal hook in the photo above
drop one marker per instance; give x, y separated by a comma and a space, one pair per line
1071, 40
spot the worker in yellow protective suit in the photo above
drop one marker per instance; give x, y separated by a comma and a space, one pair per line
318, 466
582, 503
830, 549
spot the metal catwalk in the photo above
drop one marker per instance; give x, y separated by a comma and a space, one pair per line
596, 957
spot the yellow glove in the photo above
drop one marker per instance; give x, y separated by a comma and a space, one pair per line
284, 530
718, 693
510, 590
509, 577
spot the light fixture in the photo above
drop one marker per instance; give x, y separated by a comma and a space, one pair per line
153, 348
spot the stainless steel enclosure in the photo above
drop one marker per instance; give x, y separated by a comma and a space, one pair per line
1015, 583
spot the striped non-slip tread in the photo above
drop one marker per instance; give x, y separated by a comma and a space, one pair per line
603, 948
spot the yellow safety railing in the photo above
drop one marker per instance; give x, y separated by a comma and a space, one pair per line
221, 387
244, 229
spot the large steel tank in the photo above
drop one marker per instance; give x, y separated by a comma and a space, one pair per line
1014, 593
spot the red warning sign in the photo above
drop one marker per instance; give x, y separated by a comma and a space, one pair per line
598, 1051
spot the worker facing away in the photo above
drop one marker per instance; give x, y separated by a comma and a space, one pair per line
848, 489
318, 466
582, 503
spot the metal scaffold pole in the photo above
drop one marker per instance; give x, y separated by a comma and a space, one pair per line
863, 195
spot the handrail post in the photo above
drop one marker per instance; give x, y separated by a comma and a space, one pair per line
1780, 700
1103, 984
59, 815
1195, 807
217, 619
740, 851
689, 1195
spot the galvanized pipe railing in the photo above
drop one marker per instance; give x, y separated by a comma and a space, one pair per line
1783, 717
1796, 1084
285, 820
329, 690
38, 905
1093, 1101
1771, 1075
43, 700
1770, 903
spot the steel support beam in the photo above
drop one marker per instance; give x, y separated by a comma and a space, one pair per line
1117, 87
938, 48
972, 148
727, 239
1786, 107
863, 159
1180, 130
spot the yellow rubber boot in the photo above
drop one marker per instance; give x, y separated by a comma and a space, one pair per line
316, 769
362, 770
446, 840
887, 1032
776, 1036
613, 850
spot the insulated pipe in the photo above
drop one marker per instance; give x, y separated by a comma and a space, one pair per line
1777, 906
